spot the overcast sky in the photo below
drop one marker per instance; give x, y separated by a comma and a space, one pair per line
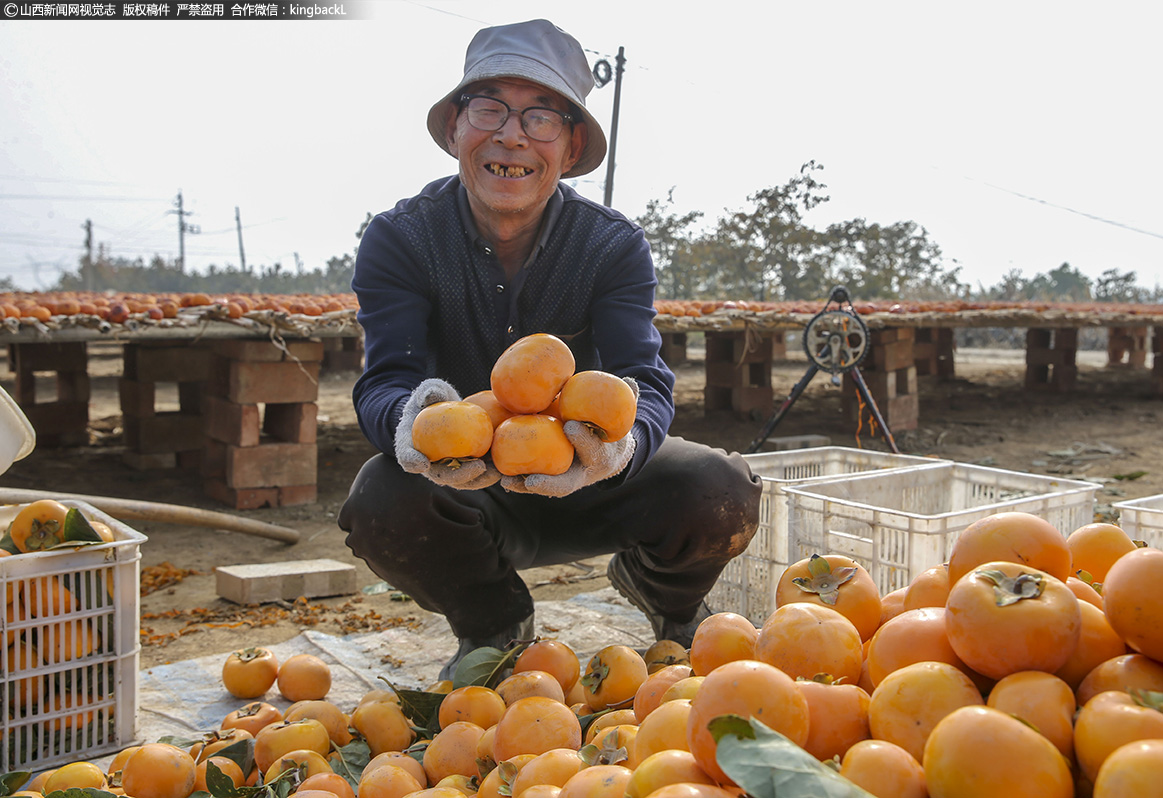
1021, 135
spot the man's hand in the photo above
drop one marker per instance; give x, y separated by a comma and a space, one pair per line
594, 460
466, 474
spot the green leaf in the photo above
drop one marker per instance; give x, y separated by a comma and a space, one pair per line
588, 720
78, 530
78, 792
771, 766
1132, 475
350, 760
486, 666
219, 784
420, 707
11, 782
7, 544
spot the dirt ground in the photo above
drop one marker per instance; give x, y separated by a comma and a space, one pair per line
1105, 431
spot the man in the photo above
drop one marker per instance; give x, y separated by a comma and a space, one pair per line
447, 280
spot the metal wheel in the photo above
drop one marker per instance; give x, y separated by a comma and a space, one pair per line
835, 340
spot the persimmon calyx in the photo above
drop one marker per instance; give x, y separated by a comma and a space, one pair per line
824, 582
250, 654
1088, 578
593, 680
610, 753
43, 534
1150, 699
1009, 590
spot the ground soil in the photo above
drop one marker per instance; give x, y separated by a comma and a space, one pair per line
1104, 430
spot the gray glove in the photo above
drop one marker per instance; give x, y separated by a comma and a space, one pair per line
594, 460
467, 474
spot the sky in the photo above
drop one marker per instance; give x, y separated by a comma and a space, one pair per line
1020, 135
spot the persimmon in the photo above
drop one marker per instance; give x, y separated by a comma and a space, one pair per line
929, 588
281, 738
452, 751
487, 401
1013, 537
1094, 548
76, 775
334, 719
980, 752
553, 657
531, 372
663, 729
529, 683
252, 717
1042, 700
884, 769
250, 672
401, 760
1004, 617
914, 636
304, 759
834, 581
838, 717
531, 444
751, 689
662, 653
1133, 601
533, 726
803, 639
683, 688
388, 781
499, 781
1113, 719
719, 638
38, 525
1131, 769
616, 741
688, 789
604, 402
609, 720
663, 768
1124, 672
909, 702
304, 677
118, 760
649, 694
1085, 591
158, 770
384, 725
892, 604
555, 767
1097, 643
474, 703
612, 677
452, 431
597, 781
213, 742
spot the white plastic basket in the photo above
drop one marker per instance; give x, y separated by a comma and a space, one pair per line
58, 706
897, 524
747, 584
1142, 519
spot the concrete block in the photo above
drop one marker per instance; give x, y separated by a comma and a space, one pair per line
790, 442
260, 582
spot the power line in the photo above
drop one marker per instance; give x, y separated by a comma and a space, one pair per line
1084, 214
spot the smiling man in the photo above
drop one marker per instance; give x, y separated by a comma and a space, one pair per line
447, 280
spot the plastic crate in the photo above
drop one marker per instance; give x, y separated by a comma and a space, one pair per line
1142, 519
54, 709
747, 584
897, 524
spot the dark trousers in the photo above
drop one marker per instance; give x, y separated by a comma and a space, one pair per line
677, 523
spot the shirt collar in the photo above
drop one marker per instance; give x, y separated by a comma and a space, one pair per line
548, 220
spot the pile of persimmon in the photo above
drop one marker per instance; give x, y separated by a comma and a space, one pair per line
118, 308
519, 421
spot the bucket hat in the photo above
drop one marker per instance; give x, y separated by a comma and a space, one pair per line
536, 51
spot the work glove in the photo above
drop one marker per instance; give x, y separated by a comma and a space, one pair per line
594, 460
469, 474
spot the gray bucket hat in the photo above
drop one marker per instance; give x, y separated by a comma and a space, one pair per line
537, 51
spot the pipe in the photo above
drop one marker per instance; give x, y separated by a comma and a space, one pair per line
134, 510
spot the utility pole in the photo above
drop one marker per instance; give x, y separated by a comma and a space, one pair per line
620, 60
183, 228
238, 224
87, 265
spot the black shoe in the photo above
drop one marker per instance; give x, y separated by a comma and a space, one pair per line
664, 628
522, 630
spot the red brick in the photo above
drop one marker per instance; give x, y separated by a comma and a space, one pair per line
190, 396
241, 499
264, 351
287, 381
59, 423
271, 464
291, 496
72, 386
137, 398
293, 423
70, 356
890, 335
233, 423
164, 432
892, 356
189, 363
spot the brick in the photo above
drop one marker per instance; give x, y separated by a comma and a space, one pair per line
750, 403
892, 356
190, 396
265, 351
293, 423
233, 423
890, 335
674, 348
271, 464
164, 432
70, 356
190, 460
213, 462
150, 462
72, 386
294, 495
1050, 357
138, 399
340, 361
59, 423
738, 347
287, 381
287, 581
167, 363
241, 499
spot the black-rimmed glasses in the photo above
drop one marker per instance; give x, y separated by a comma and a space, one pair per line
490, 114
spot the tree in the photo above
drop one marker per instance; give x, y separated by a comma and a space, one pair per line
668, 236
1062, 284
897, 260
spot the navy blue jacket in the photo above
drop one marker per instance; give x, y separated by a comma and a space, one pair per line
435, 302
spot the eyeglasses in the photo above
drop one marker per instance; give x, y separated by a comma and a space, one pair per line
490, 114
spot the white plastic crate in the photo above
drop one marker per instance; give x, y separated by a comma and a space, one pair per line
747, 584
58, 704
897, 524
1142, 519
